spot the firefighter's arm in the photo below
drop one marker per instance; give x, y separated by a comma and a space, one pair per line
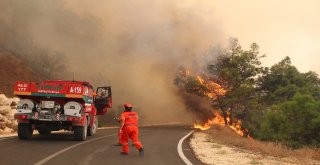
117, 119
121, 120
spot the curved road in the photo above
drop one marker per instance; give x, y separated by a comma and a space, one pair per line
160, 143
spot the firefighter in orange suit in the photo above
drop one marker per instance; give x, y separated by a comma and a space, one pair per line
129, 129
120, 132
119, 138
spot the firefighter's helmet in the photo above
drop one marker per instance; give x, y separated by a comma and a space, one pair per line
127, 106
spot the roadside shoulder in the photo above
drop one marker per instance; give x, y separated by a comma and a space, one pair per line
210, 152
8, 135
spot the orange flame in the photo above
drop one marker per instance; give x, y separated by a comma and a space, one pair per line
215, 89
219, 120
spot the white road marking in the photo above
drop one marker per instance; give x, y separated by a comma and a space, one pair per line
8, 135
180, 152
163, 124
107, 128
5, 138
69, 148
14, 135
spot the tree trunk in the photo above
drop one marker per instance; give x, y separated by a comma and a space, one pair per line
225, 117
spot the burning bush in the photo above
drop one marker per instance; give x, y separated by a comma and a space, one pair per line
214, 93
229, 83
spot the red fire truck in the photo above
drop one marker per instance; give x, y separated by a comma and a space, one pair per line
60, 105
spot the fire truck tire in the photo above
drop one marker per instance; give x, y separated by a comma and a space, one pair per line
24, 131
44, 131
93, 129
80, 132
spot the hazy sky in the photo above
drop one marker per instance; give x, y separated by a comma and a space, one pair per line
137, 46
281, 28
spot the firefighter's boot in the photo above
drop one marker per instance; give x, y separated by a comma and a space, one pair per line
141, 151
123, 153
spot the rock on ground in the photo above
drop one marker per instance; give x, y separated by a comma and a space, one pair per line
7, 109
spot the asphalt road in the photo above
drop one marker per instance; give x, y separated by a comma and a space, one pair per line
160, 143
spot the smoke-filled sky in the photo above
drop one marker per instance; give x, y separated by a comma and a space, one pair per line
136, 46
281, 28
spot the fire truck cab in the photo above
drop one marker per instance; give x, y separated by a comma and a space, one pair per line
60, 105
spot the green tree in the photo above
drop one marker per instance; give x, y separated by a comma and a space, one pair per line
236, 70
295, 122
282, 81
291, 106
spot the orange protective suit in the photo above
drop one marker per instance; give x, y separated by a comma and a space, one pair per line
120, 137
130, 130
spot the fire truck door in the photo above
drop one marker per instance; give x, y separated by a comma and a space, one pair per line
103, 100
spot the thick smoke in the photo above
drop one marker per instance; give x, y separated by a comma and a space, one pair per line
134, 46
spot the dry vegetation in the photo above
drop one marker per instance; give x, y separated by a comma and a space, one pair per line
225, 135
13, 69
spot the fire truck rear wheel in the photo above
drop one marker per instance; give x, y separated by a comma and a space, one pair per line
80, 132
24, 131
44, 131
93, 129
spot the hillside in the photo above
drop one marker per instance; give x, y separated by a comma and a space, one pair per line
13, 69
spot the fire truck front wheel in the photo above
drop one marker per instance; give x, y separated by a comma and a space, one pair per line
80, 132
93, 129
24, 131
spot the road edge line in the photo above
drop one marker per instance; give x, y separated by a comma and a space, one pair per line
69, 148
180, 152
6, 138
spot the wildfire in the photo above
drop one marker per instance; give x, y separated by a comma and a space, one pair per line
218, 120
213, 90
